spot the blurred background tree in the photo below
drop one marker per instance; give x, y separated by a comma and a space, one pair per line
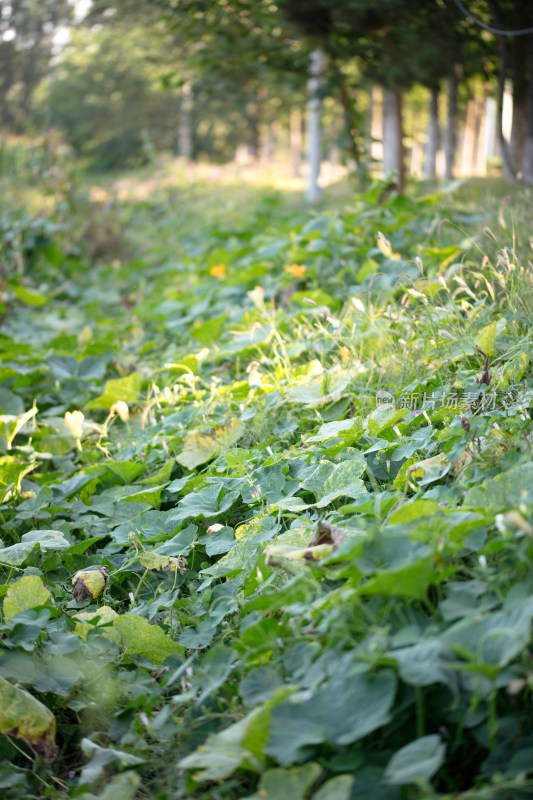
27, 32
407, 83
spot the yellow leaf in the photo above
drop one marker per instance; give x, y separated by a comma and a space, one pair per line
103, 615
145, 640
167, 563
88, 584
275, 554
24, 717
200, 447
486, 340
28, 592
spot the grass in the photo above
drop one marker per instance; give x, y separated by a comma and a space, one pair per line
266, 494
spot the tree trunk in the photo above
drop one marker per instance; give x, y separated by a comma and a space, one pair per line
519, 58
450, 133
527, 161
376, 126
393, 151
432, 144
505, 150
347, 103
295, 141
268, 144
479, 164
416, 160
184, 128
314, 115
253, 138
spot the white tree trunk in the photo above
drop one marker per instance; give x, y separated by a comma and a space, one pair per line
295, 141
490, 127
466, 152
184, 129
376, 125
393, 155
268, 144
450, 133
432, 143
314, 115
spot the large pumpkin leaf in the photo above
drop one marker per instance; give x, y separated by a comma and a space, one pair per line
418, 760
24, 717
28, 592
140, 638
200, 447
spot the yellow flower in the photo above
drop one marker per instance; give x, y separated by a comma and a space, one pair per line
74, 422
345, 354
296, 270
121, 408
218, 271
386, 248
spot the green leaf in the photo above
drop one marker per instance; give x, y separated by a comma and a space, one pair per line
29, 296
288, 783
240, 745
210, 331
127, 470
384, 416
208, 502
410, 581
162, 476
101, 758
505, 491
124, 786
331, 430
413, 510
220, 542
493, 638
201, 447
419, 760
338, 788
152, 496
28, 592
127, 389
16, 554
291, 504
145, 640
428, 470
24, 717
12, 471
259, 685
46, 539
346, 709
425, 663
223, 752
249, 538
330, 481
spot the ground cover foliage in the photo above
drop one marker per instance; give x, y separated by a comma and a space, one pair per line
267, 506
